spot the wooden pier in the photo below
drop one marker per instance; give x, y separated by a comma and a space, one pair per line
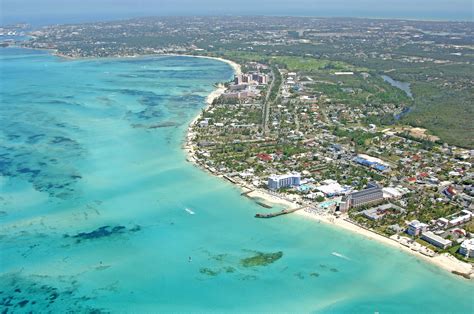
282, 212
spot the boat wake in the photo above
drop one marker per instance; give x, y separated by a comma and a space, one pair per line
340, 256
189, 211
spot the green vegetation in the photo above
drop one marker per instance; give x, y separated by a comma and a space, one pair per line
261, 259
454, 251
447, 113
276, 84
309, 64
359, 137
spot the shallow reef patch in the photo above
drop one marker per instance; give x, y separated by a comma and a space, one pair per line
261, 259
103, 232
34, 294
209, 272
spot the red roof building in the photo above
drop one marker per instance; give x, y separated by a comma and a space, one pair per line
264, 157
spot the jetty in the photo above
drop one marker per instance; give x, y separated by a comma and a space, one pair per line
280, 213
246, 194
229, 179
264, 205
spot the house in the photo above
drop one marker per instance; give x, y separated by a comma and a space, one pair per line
450, 191
264, 157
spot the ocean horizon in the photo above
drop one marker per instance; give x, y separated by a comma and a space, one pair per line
100, 211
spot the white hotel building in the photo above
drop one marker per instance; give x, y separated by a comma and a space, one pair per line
276, 182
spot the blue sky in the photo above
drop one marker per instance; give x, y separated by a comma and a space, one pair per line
61, 11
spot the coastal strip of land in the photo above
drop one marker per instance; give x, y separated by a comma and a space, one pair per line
443, 261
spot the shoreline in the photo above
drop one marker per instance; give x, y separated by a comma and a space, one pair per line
443, 261
234, 65
216, 93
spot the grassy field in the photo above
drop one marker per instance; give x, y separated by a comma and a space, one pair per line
309, 65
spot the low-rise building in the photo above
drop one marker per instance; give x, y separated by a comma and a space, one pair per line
416, 227
436, 240
331, 188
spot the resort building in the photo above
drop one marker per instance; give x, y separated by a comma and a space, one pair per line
436, 240
253, 78
467, 248
276, 182
415, 228
367, 196
373, 194
331, 188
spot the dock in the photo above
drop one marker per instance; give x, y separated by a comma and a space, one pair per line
229, 179
264, 205
246, 194
280, 213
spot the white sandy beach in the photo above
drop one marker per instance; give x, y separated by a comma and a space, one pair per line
220, 89
271, 198
444, 261
235, 66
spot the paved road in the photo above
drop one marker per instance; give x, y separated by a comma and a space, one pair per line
266, 106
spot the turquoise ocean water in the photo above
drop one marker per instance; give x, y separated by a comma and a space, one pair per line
93, 190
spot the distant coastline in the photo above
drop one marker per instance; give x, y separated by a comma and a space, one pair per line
124, 17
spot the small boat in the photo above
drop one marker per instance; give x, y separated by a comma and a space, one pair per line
340, 255
189, 211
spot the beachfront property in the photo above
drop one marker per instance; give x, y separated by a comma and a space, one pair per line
331, 188
370, 195
436, 240
251, 78
276, 182
415, 228
467, 248
204, 123
249, 92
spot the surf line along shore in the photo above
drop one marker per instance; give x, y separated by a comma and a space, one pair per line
444, 261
